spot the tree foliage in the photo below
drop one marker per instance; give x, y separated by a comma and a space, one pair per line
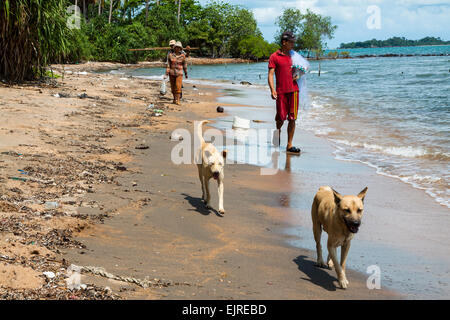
311, 29
34, 33
394, 42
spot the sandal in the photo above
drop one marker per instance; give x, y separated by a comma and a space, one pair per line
293, 150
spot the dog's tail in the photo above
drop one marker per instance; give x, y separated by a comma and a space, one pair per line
200, 131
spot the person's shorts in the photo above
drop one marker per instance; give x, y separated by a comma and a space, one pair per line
287, 106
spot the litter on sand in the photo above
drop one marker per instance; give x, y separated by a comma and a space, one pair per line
241, 123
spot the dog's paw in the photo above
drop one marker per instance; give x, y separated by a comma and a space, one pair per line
221, 211
343, 283
330, 264
320, 264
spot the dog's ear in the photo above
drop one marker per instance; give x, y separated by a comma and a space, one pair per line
337, 196
224, 154
362, 194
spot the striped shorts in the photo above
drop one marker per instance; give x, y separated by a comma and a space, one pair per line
287, 106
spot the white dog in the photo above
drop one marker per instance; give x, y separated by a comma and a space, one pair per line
210, 166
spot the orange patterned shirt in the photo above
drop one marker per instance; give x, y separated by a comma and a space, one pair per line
176, 64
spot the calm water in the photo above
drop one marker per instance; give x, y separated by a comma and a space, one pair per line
389, 113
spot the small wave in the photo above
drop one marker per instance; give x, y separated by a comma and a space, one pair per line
416, 181
408, 152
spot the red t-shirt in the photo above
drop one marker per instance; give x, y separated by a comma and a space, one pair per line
283, 72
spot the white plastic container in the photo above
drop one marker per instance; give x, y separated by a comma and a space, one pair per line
241, 123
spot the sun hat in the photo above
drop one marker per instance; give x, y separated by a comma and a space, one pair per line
178, 44
172, 42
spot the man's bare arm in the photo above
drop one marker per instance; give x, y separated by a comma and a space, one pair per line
270, 81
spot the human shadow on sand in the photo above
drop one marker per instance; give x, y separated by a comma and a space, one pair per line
316, 275
199, 205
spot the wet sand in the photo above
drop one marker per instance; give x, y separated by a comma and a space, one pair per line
132, 211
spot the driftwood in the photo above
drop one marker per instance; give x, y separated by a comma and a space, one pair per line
159, 48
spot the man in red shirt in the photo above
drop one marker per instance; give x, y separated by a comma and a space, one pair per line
286, 93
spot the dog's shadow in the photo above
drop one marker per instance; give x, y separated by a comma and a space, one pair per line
316, 275
199, 205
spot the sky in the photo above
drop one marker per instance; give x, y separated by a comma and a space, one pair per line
360, 20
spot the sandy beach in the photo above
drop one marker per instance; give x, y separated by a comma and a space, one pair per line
134, 219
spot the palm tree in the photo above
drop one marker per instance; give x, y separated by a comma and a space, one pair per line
110, 10
146, 11
179, 9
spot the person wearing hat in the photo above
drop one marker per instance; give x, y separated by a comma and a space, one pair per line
175, 67
286, 92
171, 45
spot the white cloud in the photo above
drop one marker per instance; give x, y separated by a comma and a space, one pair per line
412, 19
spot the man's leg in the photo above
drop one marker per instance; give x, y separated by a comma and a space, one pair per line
279, 125
290, 131
292, 116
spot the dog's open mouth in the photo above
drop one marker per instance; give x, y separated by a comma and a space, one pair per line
353, 226
216, 175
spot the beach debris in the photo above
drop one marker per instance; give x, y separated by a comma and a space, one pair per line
61, 95
241, 123
123, 79
157, 112
121, 168
18, 179
144, 283
22, 171
82, 95
51, 204
176, 137
49, 274
73, 281
219, 109
245, 83
259, 121
150, 106
162, 88
142, 146
83, 73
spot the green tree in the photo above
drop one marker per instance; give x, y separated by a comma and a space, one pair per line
311, 29
33, 33
255, 47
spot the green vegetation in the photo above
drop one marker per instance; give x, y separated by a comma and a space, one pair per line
311, 29
35, 33
394, 42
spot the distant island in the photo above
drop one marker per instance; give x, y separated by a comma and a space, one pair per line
394, 42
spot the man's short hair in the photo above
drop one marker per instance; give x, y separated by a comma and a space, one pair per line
287, 36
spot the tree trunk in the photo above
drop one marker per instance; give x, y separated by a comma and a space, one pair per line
99, 7
84, 10
179, 9
146, 11
110, 11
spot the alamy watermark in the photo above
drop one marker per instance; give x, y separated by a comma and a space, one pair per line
74, 19
374, 20
374, 280
253, 146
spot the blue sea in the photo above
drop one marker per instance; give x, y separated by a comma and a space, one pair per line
390, 113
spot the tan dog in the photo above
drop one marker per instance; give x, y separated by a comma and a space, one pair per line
340, 217
211, 166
